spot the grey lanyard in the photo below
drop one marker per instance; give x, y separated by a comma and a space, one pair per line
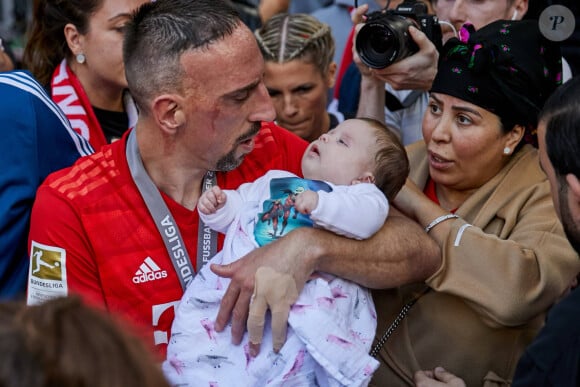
206, 237
162, 216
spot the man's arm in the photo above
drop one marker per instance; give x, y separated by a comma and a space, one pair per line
399, 253
62, 239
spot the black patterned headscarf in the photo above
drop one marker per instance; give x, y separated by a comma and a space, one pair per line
507, 67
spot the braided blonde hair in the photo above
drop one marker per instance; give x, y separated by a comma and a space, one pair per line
286, 37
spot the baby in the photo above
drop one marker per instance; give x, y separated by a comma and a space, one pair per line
347, 173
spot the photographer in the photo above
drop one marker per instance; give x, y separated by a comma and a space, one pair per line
416, 72
403, 82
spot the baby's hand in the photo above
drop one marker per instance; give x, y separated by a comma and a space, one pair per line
211, 200
306, 202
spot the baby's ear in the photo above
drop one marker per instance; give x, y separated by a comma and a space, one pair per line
366, 177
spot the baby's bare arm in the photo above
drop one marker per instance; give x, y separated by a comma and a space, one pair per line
306, 202
211, 200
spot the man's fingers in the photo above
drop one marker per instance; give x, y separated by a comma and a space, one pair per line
226, 307
230, 297
256, 322
279, 325
226, 271
240, 317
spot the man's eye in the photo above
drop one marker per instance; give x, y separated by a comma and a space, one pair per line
121, 29
241, 96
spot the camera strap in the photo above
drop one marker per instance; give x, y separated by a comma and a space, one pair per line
393, 103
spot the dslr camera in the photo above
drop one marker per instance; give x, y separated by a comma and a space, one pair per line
384, 39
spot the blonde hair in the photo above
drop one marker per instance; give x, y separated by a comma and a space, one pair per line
286, 37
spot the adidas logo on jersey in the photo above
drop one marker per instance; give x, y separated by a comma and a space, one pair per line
148, 271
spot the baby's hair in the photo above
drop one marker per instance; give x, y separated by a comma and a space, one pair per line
286, 37
391, 161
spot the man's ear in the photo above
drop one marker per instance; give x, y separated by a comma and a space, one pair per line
366, 177
168, 113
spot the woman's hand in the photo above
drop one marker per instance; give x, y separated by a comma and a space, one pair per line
439, 377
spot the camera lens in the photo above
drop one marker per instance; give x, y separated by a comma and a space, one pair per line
381, 42
384, 41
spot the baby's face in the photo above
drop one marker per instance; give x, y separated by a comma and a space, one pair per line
342, 155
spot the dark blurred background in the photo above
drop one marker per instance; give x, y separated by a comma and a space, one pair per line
14, 17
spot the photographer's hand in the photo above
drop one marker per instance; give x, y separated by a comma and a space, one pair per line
358, 15
415, 72
372, 89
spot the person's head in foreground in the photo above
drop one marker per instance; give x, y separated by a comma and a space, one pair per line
65, 343
559, 139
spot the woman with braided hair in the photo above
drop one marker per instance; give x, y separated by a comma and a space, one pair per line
298, 51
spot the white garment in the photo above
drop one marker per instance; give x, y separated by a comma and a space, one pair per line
331, 325
407, 122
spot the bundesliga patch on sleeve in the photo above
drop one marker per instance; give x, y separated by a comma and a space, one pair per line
47, 273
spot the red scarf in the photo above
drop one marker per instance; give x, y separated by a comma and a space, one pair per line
69, 95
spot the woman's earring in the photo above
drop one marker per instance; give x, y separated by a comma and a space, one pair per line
81, 58
506, 150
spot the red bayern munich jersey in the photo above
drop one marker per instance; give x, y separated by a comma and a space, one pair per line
92, 234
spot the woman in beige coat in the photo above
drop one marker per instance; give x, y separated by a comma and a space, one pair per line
477, 188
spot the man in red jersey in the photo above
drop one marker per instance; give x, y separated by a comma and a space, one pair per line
120, 227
